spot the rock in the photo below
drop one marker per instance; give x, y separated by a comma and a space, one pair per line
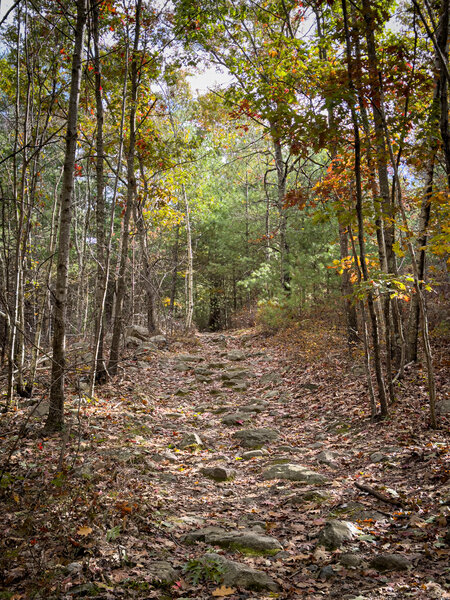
311, 496
253, 454
326, 572
236, 355
351, 560
200, 535
190, 440
190, 358
390, 562
316, 445
255, 438
237, 386
217, 339
377, 457
147, 347
335, 533
181, 367
164, 456
326, 458
85, 589
41, 409
443, 406
217, 365
312, 387
233, 375
235, 419
280, 460
217, 473
139, 332
247, 542
160, 341
253, 408
240, 575
74, 567
272, 377
132, 342
182, 392
162, 572
294, 472
203, 371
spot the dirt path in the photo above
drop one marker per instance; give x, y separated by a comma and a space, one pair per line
229, 468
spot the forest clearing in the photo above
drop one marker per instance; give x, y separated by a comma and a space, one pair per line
224, 322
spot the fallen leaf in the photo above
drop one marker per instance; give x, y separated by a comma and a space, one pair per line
222, 591
83, 531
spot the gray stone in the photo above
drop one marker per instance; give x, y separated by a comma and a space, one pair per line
377, 457
233, 375
247, 542
255, 438
316, 445
235, 419
253, 408
162, 572
137, 331
132, 342
190, 358
74, 567
147, 347
443, 406
294, 472
390, 562
41, 409
351, 560
311, 496
253, 454
217, 365
240, 575
203, 371
326, 572
236, 355
160, 341
272, 377
85, 589
190, 440
182, 392
217, 473
326, 458
335, 533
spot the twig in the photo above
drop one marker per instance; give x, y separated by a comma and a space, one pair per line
379, 495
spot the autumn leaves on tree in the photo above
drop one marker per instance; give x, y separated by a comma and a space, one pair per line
319, 175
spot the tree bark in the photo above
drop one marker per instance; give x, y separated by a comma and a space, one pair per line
55, 419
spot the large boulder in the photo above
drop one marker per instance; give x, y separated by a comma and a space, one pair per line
239, 575
254, 439
390, 562
236, 355
190, 440
217, 473
160, 341
161, 572
294, 472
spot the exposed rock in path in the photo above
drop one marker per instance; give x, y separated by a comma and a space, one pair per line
327, 458
182, 392
236, 419
133, 342
255, 438
162, 572
254, 454
236, 355
335, 533
390, 562
139, 332
190, 440
190, 358
377, 457
351, 560
310, 496
254, 408
160, 341
217, 473
241, 575
294, 472
247, 542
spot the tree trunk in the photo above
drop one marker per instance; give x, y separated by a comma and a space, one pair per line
190, 265
55, 419
131, 195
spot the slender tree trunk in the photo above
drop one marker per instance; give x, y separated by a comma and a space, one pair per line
285, 275
55, 419
190, 265
131, 195
359, 212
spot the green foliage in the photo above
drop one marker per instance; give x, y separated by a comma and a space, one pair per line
204, 569
113, 533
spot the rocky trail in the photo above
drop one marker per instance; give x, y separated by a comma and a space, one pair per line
230, 466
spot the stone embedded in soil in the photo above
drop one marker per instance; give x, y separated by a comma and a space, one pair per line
327, 458
235, 419
182, 392
335, 533
190, 440
377, 457
311, 496
253, 454
255, 438
161, 572
236, 355
138, 331
190, 358
247, 542
253, 408
351, 560
217, 473
160, 341
390, 562
240, 575
294, 472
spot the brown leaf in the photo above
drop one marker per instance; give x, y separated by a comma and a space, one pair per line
222, 591
85, 530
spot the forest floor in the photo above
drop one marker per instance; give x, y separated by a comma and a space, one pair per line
129, 504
